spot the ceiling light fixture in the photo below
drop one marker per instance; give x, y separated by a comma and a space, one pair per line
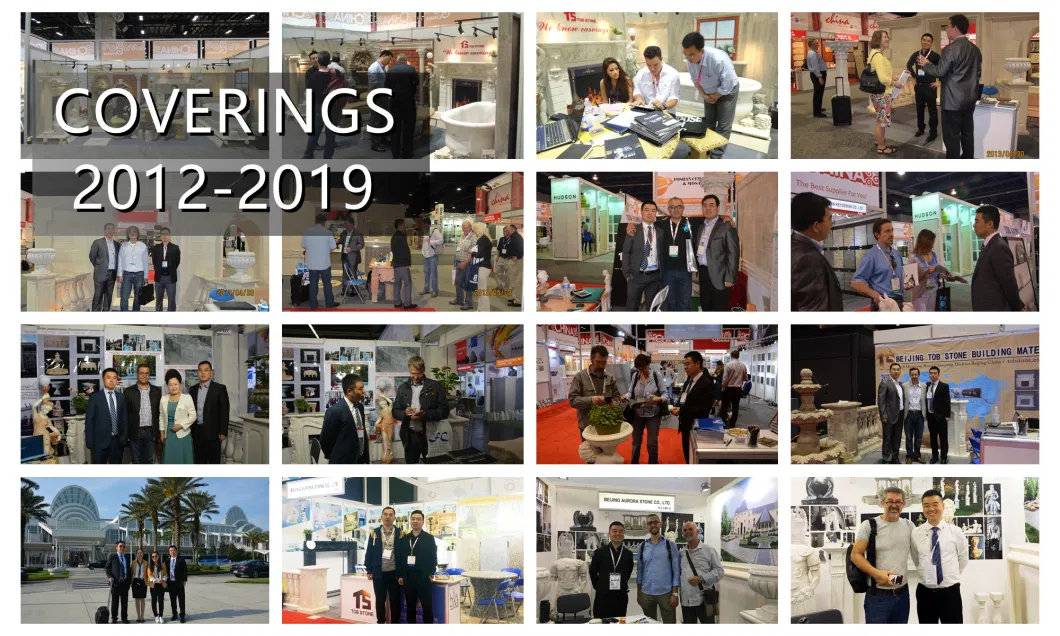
228, 31
250, 16
459, 27
59, 34
194, 18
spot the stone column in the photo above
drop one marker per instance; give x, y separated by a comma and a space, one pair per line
1018, 88
843, 425
841, 49
313, 589
957, 430
837, 578
40, 292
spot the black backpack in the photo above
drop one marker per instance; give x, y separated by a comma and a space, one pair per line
669, 554
102, 615
870, 82
859, 581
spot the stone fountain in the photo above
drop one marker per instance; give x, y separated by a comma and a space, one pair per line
809, 449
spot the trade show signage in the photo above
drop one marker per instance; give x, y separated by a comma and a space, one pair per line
639, 503
600, 339
855, 187
80, 50
565, 191
175, 50
500, 199
571, 26
510, 362
315, 487
687, 186
476, 50
221, 49
446, 18
123, 50
358, 599
845, 25
563, 335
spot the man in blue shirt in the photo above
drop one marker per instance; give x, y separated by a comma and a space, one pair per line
818, 69
715, 79
658, 574
318, 243
879, 274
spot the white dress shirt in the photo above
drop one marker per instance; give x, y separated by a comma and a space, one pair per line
714, 72
668, 86
901, 394
915, 393
953, 553
704, 240
318, 243
414, 403
653, 254
132, 257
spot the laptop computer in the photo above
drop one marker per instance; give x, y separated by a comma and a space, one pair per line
561, 132
33, 448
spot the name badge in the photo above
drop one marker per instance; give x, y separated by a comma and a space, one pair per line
616, 582
702, 251
165, 264
504, 251
920, 72
389, 553
673, 250
896, 284
412, 560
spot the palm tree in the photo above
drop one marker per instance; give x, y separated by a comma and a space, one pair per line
199, 504
253, 537
33, 507
151, 499
174, 492
136, 510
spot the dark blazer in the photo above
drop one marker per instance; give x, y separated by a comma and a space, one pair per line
99, 257
373, 553
723, 253
994, 279
215, 412
940, 404
887, 400
813, 283
432, 400
356, 245
426, 554
698, 403
113, 568
97, 420
399, 246
601, 567
180, 572
404, 81
339, 438
959, 67
132, 410
172, 259
633, 250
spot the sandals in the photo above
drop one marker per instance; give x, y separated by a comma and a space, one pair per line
889, 150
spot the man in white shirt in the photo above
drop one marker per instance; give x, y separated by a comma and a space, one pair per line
658, 84
463, 249
714, 77
818, 69
940, 552
377, 79
914, 414
890, 400
432, 246
318, 243
732, 388
132, 268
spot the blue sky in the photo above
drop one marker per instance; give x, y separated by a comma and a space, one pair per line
249, 493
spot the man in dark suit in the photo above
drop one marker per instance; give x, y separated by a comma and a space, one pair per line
417, 555
106, 422
994, 279
642, 260
960, 68
926, 88
404, 82
380, 560
416, 404
717, 257
609, 571
141, 409
165, 257
351, 242
697, 398
211, 416
178, 579
813, 283
117, 570
104, 258
344, 436
938, 410
890, 400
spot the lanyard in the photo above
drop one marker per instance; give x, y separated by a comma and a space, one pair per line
602, 386
700, 73
614, 562
414, 544
389, 544
673, 232
655, 84
889, 256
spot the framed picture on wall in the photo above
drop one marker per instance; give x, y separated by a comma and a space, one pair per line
88, 345
310, 356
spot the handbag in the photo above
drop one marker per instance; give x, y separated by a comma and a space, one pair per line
711, 597
147, 294
627, 413
942, 297
870, 82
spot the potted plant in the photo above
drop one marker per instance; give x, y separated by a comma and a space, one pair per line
301, 405
308, 534
80, 403
729, 49
607, 419
616, 33
259, 395
450, 381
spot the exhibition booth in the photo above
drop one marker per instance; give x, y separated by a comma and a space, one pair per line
737, 518
447, 200
572, 47
167, 51
998, 516
564, 350
598, 207
476, 524
992, 374
62, 367
224, 255
943, 203
480, 369
469, 68
1006, 116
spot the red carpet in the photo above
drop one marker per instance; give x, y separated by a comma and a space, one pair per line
558, 439
350, 309
298, 618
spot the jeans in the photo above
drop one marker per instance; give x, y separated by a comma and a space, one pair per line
818, 91
329, 137
886, 608
642, 283
402, 286
103, 292
652, 424
914, 434
958, 132
143, 448
131, 281
458, 281
430, 274
679, 280
165, 285
718, 117
324, 275
652, 603
925, 99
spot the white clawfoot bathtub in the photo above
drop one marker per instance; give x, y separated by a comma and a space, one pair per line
691, 103
469, 128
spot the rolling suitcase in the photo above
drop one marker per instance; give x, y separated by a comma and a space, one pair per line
102, 615
299, 291
841, 112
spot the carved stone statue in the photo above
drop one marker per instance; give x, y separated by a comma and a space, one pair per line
633, 54
993, 501
833, 519
948, 510
583, 521
41, 409
805, 566
819, 491
976, 553
385, 427
571, 576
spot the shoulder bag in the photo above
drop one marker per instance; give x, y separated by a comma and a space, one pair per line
711, 597
870, 82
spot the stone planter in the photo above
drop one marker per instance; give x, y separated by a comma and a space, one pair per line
240, 261
608, 444
763, 581
41, 257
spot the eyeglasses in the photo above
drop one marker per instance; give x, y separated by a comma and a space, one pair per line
675, 207
654, 523
891, 502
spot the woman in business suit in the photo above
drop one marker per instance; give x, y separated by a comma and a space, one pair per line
139, 584
156, 582
176, 414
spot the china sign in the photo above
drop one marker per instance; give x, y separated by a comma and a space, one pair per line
81, 50
843, 24
855, 187
221, 49
175, 49
500, 199
115, 50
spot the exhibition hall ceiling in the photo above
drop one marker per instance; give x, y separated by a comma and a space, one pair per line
639, 185
662, 486
1006, 190
340, 332
71, 26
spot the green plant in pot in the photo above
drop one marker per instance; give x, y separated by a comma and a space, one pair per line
80, 403
308, 534
301, 405
607, 419
259, 395
450, 381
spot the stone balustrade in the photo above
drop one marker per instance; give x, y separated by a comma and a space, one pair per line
291, 585
57, 291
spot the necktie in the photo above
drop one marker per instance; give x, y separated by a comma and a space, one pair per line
936, 555
122, 559
113, 414
172, 566
647, 250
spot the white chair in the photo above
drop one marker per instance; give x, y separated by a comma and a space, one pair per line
605, 298
660, 299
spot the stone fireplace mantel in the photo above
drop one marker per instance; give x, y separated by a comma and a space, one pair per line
559, 56
449, 71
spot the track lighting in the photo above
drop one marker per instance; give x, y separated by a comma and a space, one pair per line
460, 27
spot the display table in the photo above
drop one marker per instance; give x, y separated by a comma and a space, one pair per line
1008, 450
381, 274
995, 129
638, 619
700, 145
703, 452
359, 604
484, 585
553, 300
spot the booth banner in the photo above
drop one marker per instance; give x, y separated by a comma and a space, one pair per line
358, 603
446, 18
389, 21
439, 438
35, 42
564, 335
123, 50
542, 365
175, 50
79, 50
1000, 369
637, 503
856, 187
846, 26
600, 339
739, 335
903, 231
565, 191
544, 211
1034, 193
685, 185
221, 49
801, 21
316, 487
517, 191
510, 362
632, 213
300, 18
477, 49
480, 201
500, 199
471, 350
295, 512
505, 341
570, 26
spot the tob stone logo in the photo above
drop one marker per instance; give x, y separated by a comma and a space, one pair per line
362, 603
